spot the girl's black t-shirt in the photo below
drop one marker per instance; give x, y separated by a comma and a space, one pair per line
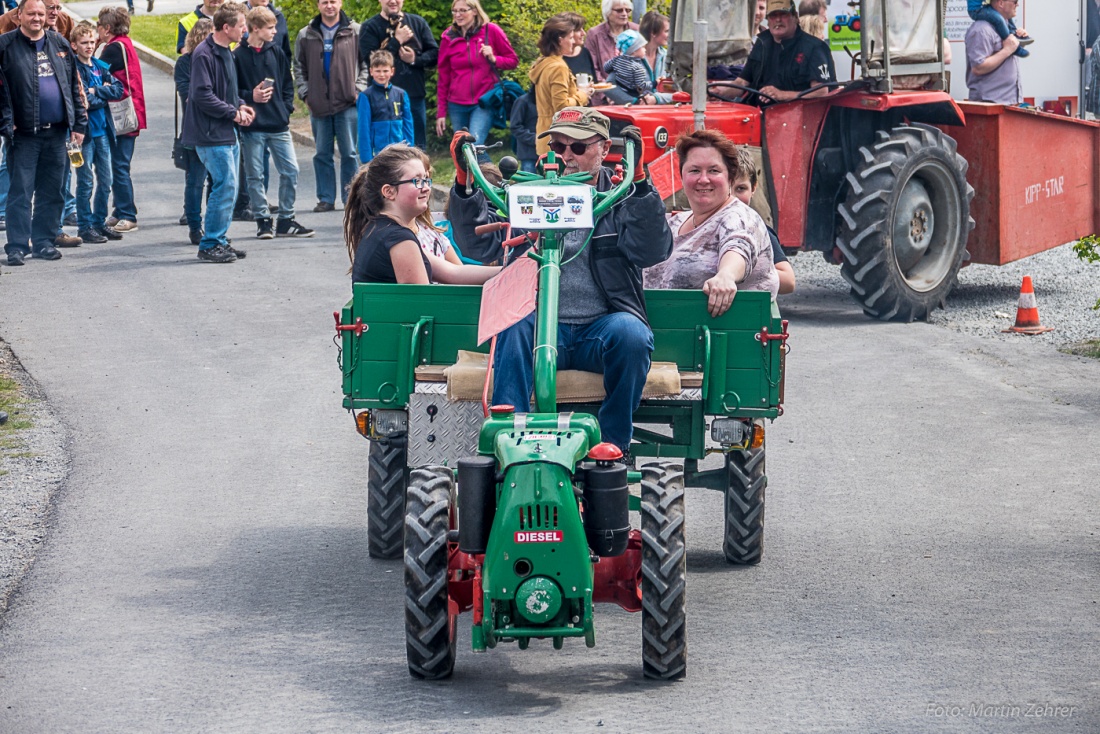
372, 257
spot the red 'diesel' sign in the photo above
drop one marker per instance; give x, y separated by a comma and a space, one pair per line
538, 536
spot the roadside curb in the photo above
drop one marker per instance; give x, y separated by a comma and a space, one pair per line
168, 66
154, 58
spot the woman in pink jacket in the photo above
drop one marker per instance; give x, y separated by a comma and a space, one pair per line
472, 53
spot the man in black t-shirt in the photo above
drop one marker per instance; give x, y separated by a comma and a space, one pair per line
786, 61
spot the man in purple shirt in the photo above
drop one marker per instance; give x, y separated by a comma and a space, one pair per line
992, 69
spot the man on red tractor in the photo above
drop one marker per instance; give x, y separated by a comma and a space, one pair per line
786, 61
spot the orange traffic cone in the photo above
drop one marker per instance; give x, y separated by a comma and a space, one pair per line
1027, 313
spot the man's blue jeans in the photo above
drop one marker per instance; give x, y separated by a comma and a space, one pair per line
95, 173
342, 130
617, 345
476, 119
122, 152
221, 162
419, 109
254, 147
37, 164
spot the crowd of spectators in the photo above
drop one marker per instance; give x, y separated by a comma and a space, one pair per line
238, 81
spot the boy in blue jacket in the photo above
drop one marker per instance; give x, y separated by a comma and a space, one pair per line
99, 86
384, 114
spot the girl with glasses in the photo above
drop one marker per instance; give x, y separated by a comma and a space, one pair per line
386, 209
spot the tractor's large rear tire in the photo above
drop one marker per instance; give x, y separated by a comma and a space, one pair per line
386, 480
744, 539
664, 573
904, 225
429, 627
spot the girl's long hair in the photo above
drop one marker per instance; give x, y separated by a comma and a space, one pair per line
365, 200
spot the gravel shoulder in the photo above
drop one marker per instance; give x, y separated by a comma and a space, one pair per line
984, 301
31, 474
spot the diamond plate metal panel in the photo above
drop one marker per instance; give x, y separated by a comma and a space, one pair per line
448, 435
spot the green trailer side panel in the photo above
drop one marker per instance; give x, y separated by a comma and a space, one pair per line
411, 325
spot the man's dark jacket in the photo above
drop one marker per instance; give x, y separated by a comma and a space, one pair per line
377, 33
212, 104
19, 79
253, 67
632, 236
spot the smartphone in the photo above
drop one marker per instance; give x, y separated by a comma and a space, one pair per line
268, 83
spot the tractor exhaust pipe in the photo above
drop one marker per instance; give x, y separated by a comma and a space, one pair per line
477, 502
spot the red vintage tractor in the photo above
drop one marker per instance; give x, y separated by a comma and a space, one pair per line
871, 175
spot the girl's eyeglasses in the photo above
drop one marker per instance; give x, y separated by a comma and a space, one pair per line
419, 183
577, 148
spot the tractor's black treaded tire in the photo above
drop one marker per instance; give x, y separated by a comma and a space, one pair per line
744, 538
866, 220
429, 634
664, 572
386, 479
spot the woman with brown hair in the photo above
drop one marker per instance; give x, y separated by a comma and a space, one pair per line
720, 244
387, 205
119, 53
555, 86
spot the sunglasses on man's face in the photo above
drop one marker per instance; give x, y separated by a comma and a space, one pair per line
577, 148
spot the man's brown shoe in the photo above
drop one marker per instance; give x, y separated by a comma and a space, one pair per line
66, 240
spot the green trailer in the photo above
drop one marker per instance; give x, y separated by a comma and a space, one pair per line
523, 518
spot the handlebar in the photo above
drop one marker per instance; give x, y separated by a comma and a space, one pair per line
603, 200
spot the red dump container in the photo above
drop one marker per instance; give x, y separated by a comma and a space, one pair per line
1036, 179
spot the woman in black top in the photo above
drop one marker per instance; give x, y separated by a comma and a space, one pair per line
387, 204
581, 61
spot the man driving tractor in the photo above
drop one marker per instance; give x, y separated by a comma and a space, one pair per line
602, 315
785, 60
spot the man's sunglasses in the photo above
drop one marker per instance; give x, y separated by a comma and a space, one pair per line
577, 148
419, 183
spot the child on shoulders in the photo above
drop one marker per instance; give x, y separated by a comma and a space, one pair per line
981, 10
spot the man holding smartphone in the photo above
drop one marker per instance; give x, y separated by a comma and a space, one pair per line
264, 82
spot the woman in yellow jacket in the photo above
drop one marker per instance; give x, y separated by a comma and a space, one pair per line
555, 86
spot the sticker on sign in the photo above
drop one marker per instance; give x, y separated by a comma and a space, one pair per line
538, 536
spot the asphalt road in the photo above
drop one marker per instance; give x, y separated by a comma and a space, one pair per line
932, 533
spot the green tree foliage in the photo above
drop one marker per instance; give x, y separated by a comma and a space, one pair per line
1088, 249
522, 20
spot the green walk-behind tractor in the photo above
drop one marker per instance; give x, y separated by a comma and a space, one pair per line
524, 519
543, 530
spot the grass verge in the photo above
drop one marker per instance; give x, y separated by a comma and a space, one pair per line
12, 402
1087, 348
158, 32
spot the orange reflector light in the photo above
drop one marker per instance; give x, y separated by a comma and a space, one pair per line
757, 436
362, 423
